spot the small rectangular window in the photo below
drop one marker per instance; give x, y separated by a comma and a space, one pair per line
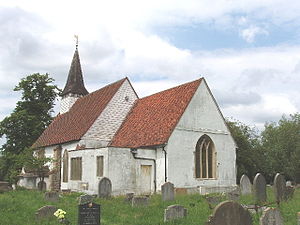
76, 168
99, 166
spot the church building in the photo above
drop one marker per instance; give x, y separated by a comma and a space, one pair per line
177, 135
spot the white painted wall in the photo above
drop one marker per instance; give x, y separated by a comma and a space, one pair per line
202, 116
109, 121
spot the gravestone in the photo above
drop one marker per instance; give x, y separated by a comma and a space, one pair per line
230, 213
51, 196
279, 188
167, 191
42, 186
245, 185
298, 218
5, 186
234, 195
84, 199
46, 212
259, 188
271, 216
289, 192
104, 188
174, 212
89, 214
128, 197
140, 201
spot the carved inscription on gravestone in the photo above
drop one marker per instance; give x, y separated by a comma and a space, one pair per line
89, 214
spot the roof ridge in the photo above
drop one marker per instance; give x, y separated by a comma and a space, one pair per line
168, 89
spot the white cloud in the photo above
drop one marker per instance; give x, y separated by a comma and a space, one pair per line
251, 32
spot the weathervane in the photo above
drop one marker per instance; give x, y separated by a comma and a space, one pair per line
76, 38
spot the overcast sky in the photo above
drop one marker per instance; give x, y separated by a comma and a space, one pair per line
247, 50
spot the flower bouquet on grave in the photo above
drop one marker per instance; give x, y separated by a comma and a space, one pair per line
61, 216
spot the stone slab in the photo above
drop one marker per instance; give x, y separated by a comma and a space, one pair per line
51, 196
230, 213
259, 188
271, 216
140, 201
104, 188
84, 199
245, 185
46, 212
167, 191
174, 212
279, 187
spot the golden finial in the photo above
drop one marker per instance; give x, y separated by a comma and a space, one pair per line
76, 39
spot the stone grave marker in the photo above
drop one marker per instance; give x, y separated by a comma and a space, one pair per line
42, 186
245, 185
298, 218
230, 213
4, 187
289, 192
140, 201
51, 196
213, 201
128, 197
46, 212
259, 188
167, 191
89, 214
279, 187
104, 188
271, 216
84, 199
174, 212
234, 195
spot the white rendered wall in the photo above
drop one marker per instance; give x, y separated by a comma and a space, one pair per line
109, 121
201, 117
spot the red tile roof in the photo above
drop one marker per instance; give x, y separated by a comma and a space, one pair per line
73, 124
153, 118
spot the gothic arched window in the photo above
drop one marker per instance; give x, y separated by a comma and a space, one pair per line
205, 158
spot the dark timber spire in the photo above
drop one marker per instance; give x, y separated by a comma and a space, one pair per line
75, 83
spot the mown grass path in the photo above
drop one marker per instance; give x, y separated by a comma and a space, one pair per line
18, 208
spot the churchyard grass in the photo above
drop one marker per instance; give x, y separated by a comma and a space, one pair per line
18, 208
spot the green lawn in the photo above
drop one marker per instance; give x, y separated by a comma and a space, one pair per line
18, 208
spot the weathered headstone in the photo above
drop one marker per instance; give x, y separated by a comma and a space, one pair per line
245, 185
289, 192
230, 213
42, 186
84, 199
234, 195
271, 216
46, 212
5, 186
104, 188
140, 201
128, 197
89, 214
259, 187
51, 196
167, 191
174, 212
279, 188
298, 218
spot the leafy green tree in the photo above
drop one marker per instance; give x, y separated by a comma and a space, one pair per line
249, 157
25, 124
281, 144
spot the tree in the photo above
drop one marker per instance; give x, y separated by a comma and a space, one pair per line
25, 124
281, 142
249, 155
